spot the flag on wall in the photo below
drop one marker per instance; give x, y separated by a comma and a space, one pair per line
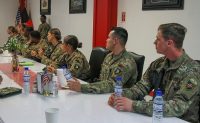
22, 15
18, 17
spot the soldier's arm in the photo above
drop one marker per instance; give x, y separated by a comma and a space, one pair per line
76, 67
125, 70
182, 100
55, 55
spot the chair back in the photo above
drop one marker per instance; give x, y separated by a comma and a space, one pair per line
139, 59
96, 59
199, 102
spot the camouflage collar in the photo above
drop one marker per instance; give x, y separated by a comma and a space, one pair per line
119, 55
72, 55
169, 65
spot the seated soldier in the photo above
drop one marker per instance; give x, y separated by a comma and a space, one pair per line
117, 63
74, 59
32, 45
176, 74
54, 36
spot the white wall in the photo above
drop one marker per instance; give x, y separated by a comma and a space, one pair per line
8, 11
142, 27
80, 25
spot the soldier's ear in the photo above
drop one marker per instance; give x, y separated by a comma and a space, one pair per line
170, 42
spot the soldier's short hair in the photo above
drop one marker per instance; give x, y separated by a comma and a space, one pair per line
35, 34
12, 29
173, 31
73, 41
56, 32
121, 33
44, 16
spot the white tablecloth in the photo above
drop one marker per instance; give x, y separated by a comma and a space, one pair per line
73, 107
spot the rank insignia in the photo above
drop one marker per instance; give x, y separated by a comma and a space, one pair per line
76, 66
189, 85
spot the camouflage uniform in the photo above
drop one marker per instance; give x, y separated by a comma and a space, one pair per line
179, 81
120, 65
44, 29
15, 40
22, 44
26, 51
44, 44
77, 64
54, 53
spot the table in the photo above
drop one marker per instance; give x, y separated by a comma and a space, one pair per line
73, 107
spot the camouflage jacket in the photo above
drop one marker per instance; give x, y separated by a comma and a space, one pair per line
28, 47
44, 29
179, 81
114, 65
77, 64
15, 40
54, 53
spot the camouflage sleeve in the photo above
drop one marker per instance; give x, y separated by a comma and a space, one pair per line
60, 61
76, 66
141, 88
181, 101
45, 60
125, 70
44, 31
55, 55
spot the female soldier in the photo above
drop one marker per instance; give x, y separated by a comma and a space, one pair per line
50, 55
74, 59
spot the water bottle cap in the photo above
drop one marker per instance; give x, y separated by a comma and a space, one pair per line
118, 78
158, 92
25, 68
64, 66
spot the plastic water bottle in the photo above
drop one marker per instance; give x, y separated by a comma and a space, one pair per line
118, 86
26, 81
158, 107
55, 86
67, 73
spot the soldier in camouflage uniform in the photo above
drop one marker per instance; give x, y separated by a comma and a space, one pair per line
54, 36
44, 27
12, 39
176, 74
32, 45
74, 59
23, 38
118, 63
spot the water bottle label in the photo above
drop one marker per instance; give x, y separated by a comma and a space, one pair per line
26, 78
118, 90
158, 107
67, 75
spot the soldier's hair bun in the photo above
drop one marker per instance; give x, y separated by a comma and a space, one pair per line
80, 45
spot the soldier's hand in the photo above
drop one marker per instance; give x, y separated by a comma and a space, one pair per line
33, 53
111, 100
74, 85
40, 52
51, 69
123, 104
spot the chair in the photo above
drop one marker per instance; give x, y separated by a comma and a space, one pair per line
96, 59
199, 102
139, 59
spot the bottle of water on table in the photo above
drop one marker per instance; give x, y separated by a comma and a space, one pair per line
118, 86
158, 107
55, 86
67, 73
26, 77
